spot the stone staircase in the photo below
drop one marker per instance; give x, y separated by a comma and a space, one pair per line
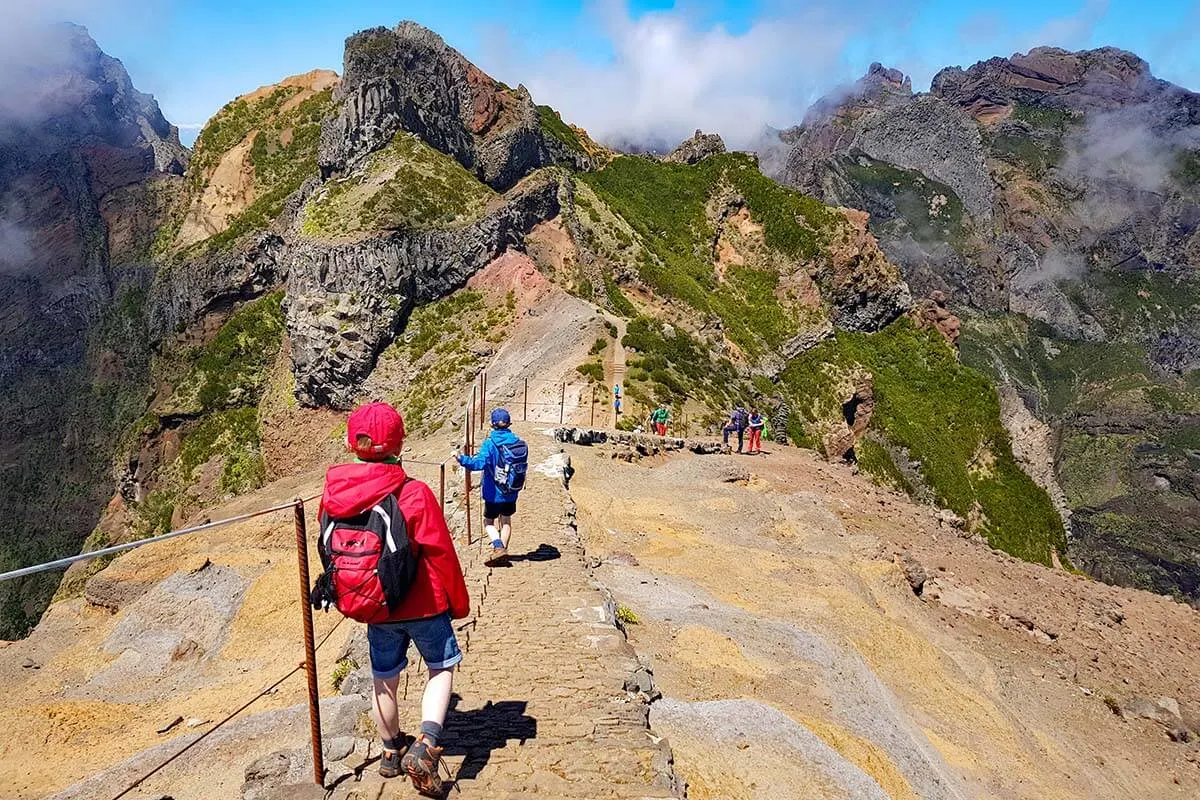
542, 706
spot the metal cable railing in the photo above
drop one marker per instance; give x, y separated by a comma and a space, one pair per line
475, 421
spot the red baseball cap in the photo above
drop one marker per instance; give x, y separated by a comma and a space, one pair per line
380, 423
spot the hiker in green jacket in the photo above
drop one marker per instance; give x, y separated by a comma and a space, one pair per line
658, 420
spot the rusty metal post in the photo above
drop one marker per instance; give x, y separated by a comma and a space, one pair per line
525, 403
467, 484
310, 651
474, 406
562, 405
442, 487
593, 422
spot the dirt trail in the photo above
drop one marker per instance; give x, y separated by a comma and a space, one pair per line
797, 662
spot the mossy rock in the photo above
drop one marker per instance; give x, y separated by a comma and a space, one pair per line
407, 185
231, 370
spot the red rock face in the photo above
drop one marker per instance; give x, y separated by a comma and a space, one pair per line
858, 409
486, 104
932, 313
112, 167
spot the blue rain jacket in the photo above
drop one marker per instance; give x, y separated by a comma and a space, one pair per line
486, 461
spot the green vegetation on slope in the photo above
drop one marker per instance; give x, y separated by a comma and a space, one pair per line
1138, 305
231, 370
1187, 169
1121, 427
406, 185
667, 365
1039, 145
1069, 377
552, 123
947, 417
57, 477
927, 209
439, 352
283, 155
218, 389
666, 205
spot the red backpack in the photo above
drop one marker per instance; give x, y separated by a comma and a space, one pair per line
369, 562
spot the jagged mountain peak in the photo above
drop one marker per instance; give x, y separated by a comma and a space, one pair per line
1102, 79
1057, 193
408, 78
62, 90
696, 148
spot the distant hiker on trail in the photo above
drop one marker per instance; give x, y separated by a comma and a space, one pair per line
390, 562
756, 425
658, 420
738, 421
617, 399
504, 459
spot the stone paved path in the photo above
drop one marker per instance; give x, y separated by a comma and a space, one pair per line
542, 709
616, 365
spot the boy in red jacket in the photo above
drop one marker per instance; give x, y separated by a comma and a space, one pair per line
375, 434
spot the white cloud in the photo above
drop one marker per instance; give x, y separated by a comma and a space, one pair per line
16, 253
670, 74
1073, 31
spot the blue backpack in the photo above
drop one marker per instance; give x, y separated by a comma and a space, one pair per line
512, 466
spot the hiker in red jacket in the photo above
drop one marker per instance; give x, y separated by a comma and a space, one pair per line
435, 594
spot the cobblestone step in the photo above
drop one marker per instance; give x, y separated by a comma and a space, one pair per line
541, 708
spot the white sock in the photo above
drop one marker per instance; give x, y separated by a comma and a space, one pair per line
494, 535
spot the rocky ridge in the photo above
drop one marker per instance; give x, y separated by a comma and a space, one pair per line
1051, 197
86, 162
409, 79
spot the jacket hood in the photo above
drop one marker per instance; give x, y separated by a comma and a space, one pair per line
351, 489
503, 436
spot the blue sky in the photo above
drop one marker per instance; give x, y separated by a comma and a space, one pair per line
642, 68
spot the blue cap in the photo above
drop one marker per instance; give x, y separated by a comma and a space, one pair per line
500, 418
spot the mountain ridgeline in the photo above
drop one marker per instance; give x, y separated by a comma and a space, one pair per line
324, 226
1054, 197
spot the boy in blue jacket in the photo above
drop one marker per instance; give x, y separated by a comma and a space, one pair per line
499, 503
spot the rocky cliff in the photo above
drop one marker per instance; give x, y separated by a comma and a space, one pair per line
86, 164
1053, 196
408, 79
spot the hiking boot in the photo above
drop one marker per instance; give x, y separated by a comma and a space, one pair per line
421, 763
389, 763
498, 556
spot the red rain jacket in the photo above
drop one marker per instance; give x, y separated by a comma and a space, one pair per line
351, 489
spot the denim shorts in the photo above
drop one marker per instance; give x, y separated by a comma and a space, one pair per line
433, 636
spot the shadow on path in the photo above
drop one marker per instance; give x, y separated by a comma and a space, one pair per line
544, 552
475, 734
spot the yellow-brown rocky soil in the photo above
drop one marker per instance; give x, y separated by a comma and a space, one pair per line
797, 661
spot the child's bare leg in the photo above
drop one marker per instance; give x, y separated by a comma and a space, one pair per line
436, 700
489, 527
386, 711
505, 529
